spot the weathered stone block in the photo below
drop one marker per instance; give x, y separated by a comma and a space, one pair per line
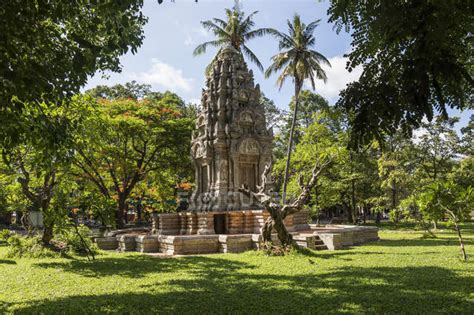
147, 244
235, 243
126, 242
107, 243
188, 244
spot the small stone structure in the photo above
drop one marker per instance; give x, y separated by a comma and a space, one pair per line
231, 145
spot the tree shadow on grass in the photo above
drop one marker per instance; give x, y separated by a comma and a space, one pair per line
137, 266
215, 289
421, 242
7, 262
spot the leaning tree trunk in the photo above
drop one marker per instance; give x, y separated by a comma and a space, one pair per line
278, 212
290, 141
276, 221
461, 241
458, 230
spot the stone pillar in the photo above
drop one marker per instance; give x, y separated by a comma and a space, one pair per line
248, 222
168, 224
183, 223
205, 223
191, 223
258, 221
236, 222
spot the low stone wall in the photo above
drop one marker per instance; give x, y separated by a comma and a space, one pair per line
235, 243
126, 242
185, 245
147, 244
339, 236
236, 222
107, 243
331, 237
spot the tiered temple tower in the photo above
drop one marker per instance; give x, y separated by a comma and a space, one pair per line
231, 145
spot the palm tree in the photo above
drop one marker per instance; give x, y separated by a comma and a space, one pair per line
235, 31
296, 60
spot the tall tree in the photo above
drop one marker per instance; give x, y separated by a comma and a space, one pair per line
439, 145
48, 49
41, 161
416, 58
128, 139
296, 60
236, 31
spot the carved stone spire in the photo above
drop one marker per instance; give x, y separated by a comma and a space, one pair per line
231, 145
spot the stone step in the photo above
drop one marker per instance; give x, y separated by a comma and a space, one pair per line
320, 247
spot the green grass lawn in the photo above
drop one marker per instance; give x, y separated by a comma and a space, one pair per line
403, 273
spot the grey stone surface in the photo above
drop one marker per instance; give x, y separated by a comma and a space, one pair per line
107, 243
231, 145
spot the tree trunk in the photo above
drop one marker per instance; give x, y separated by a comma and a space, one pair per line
461, 241
378, 217
121, 207
276, 221
290, 141
47, 234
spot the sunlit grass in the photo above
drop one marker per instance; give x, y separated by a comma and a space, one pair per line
403, 273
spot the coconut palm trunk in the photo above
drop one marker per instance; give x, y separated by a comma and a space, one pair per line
298, 87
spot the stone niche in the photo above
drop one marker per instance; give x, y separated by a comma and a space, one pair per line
231, 144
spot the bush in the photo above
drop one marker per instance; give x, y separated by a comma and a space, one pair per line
77, 241
4, 235
30, 247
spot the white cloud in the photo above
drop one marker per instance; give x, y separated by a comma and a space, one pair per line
195, 100
194, 34
338, 78
165, 76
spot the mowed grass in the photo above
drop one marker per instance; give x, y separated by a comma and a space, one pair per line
400, 274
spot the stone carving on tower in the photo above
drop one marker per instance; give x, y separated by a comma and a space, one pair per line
231, 144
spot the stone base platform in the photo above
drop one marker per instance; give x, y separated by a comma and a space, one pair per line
330, 237
224, 222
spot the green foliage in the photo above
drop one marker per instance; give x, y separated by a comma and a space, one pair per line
48, 50
122, 282
446, 199
297, 59
235, 31
128, 141
28, 247
416, 58
128, 90
78, 241
4, 235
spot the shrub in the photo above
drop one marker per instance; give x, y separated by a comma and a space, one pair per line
29, 247
77, 241
4, 235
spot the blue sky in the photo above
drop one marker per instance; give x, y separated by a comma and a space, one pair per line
166, 62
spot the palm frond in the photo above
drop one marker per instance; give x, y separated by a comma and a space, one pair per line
252, 57
221, 23
200, 49
258, 33
216, 29
311, 27
320, 57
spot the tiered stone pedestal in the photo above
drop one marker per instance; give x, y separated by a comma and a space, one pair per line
194, 233
236, 222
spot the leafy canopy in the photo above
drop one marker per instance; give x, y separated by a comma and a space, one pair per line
236, 31
416, 58
48, 49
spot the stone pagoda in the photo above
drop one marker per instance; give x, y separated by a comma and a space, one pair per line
231, 144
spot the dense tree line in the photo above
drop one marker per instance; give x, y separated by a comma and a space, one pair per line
116, 147
395, 179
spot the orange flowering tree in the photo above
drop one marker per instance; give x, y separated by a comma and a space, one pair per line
128, 141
